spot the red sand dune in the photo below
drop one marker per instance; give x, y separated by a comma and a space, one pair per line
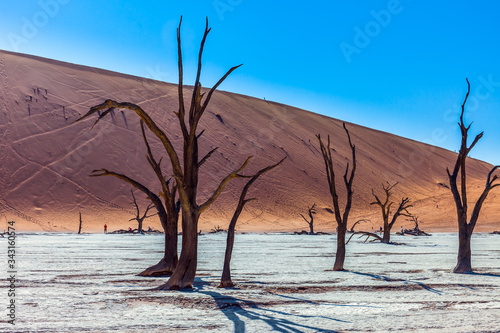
46, 158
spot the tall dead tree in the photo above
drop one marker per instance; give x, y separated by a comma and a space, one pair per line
168, 211
311, 211
348, 180
385, 206
465, 226
185, 173
140, 219
226, 281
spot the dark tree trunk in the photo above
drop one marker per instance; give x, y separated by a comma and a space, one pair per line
184, 274
139, 225
80, 227
387, 234
340, 255
225, 281
464, 253
167, 264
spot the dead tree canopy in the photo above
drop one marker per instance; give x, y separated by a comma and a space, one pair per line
340, 217
311, 211
140, 219
466, 225
385, 206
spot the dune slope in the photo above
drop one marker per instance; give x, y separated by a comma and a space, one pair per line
46, 157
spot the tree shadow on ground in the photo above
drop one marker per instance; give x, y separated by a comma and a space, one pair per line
325, 303
484, 274
388, 279
237, 310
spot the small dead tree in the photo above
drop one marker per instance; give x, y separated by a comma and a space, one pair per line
358, 222
348, 180
416, 229
465, 227
140, 219
414, 219
226, 281
311, 211
80, 227
385, 206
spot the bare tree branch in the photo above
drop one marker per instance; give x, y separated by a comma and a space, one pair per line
223, 183
109, 104
207, 156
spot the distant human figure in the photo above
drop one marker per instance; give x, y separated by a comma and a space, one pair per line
149, 229
129, 229
402, 230
380, 229
105, 229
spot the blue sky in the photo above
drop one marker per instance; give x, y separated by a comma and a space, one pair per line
397, 66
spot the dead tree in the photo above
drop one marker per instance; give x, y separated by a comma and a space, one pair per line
358, 222
414, 219
348, 180
402, 210
80, 227
416, 229
226, 281
311, 211
140, 219
186, 174
168, 211
465, 227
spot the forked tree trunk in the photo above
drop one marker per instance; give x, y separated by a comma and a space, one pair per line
185, 272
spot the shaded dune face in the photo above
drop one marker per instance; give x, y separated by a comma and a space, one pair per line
46, 158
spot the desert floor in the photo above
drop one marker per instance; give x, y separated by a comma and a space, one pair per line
87, 283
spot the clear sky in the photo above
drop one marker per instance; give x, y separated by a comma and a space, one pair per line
396, 66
